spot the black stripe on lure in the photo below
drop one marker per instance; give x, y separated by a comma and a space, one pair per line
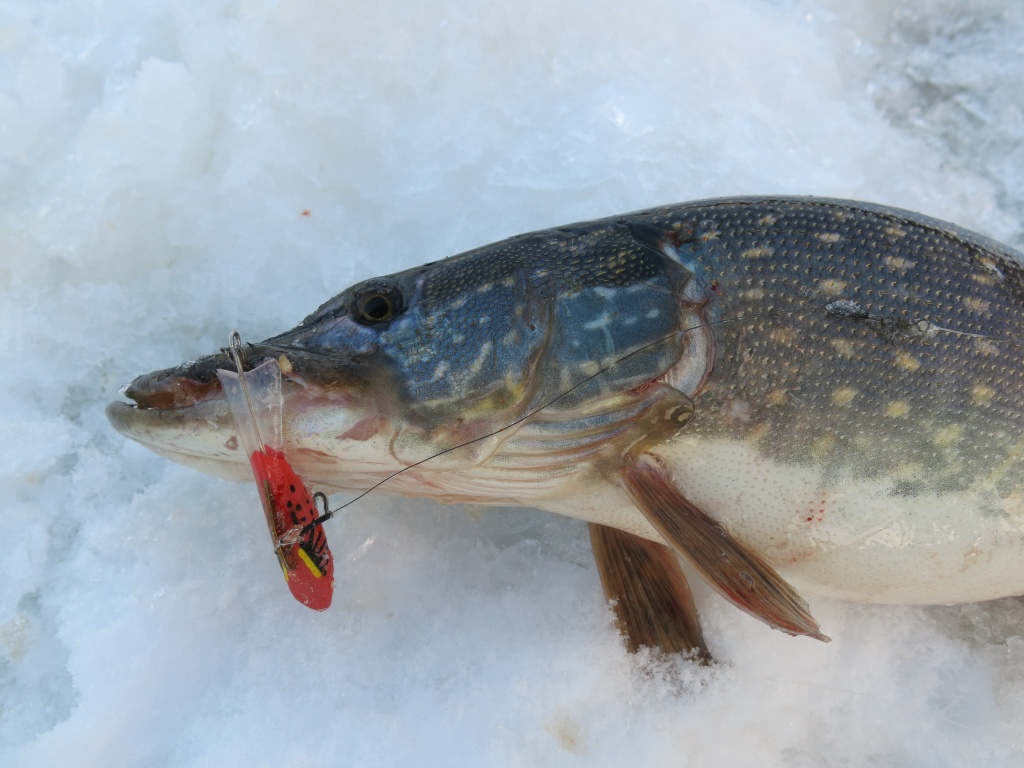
292, 517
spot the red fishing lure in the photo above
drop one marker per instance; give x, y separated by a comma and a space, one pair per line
258, 406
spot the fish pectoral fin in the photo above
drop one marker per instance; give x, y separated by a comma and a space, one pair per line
648, 593
735, 572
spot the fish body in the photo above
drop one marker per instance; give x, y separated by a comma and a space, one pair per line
797, 395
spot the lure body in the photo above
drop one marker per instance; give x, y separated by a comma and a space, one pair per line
302, 552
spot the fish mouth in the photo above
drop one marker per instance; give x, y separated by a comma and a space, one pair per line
181, 412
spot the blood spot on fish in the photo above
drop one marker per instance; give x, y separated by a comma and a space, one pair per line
816, 513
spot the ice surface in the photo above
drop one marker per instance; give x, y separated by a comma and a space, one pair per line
170, 171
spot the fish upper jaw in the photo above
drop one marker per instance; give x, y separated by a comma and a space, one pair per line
331, 400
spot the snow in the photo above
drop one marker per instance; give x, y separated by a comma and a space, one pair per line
171, 171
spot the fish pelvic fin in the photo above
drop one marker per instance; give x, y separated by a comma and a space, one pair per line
648, 593
741, 576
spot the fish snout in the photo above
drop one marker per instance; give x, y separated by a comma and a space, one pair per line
178, 387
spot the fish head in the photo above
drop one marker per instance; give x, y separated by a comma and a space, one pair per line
443, 362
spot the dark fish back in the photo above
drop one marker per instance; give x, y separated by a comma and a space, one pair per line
870, 341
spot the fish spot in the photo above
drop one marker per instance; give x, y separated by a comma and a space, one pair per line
759, 431
975, 304
898, 262
843, 347
947, 435
757, 253
458, 338
483, 319
439, 372
907, 362
782, 335
777, 397
982, 395
985, 346
895, 231
824, 445
767, 220
590, 368
983, 279
844, 395
478, 364
565, 378
753, 294
232, 443
829, 237
832, 287
738, 410
897, 409
485, 288
653, 314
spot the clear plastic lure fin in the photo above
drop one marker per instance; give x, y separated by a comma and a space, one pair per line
257, 404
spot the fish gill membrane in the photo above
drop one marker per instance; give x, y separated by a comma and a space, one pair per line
159, 161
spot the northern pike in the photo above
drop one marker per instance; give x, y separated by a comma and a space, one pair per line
796, 396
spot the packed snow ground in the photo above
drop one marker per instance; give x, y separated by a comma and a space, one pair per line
171, 171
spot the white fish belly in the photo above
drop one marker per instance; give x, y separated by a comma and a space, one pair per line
856, 539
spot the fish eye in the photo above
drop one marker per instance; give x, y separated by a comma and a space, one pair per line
377, 303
